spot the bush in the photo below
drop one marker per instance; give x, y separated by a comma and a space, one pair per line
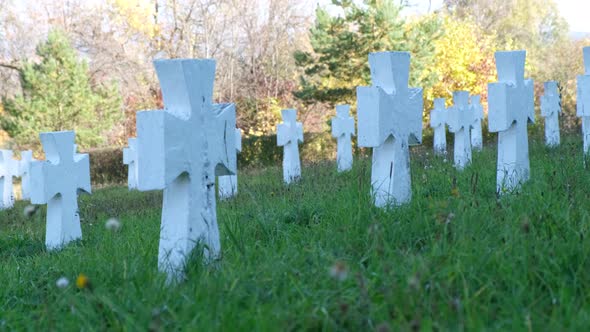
106, 167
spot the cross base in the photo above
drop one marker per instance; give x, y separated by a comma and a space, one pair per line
440, 141
586, 134
291, 163
63, 222
227, 186
476, 137
552, 130
344, 154
513, 158
188, 219
462, 149
391, 161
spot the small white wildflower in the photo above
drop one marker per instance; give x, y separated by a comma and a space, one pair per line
29, 210
62, 282
339, 271
113, 224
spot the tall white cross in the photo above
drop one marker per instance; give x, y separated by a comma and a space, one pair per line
57, 182
289, 135
550, 109
476, 135
343, 130
130, 159
8, 170
511, 106
389, 120
438, 122
228, 184
180, 150
460, 120
583, 110
24, 170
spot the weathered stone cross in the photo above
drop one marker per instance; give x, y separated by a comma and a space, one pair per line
130, 159
8, 170
438, 122
389, 120
180, 150
460, 119
511, 106
343, 130
550, 109
289, 135
583, 110
57, 182
476, 135
24, 170
228, 184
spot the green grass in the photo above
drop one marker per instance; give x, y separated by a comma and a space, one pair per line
443, 262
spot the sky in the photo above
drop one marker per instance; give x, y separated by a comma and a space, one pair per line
576, 12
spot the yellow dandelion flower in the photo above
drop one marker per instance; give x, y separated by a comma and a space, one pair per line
82, 281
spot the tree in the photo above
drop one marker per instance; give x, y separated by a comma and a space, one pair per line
464, 60
57, 95
341, 45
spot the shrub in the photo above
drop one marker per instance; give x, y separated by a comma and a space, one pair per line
106, 167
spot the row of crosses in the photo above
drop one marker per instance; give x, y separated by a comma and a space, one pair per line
182, 148
460, 114
390, 119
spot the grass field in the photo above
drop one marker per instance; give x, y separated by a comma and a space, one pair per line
318, 256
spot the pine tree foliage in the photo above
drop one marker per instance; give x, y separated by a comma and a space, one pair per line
57, 94
342, 42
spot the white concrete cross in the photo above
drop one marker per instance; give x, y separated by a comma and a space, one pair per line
550, 109
460, 120
511, 106
57, 182
389, 120
130, 159
476, 135
228, 184
24, 170
343, 130
289, 135
583, 109
181, 150
8, 170
438, 122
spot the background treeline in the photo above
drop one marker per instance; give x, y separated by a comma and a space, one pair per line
86, 65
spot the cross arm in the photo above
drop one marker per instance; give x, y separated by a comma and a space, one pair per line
342, 126
529, 87
583, 108
373, 118
414, 115
26, 157
221, 132
460, 115
283, 134
498, 117
38, 194
151, 154
82, 173
130, 152
438, 116
299, 131
238, 139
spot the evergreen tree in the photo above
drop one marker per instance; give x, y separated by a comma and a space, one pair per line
342, 43
58, 95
